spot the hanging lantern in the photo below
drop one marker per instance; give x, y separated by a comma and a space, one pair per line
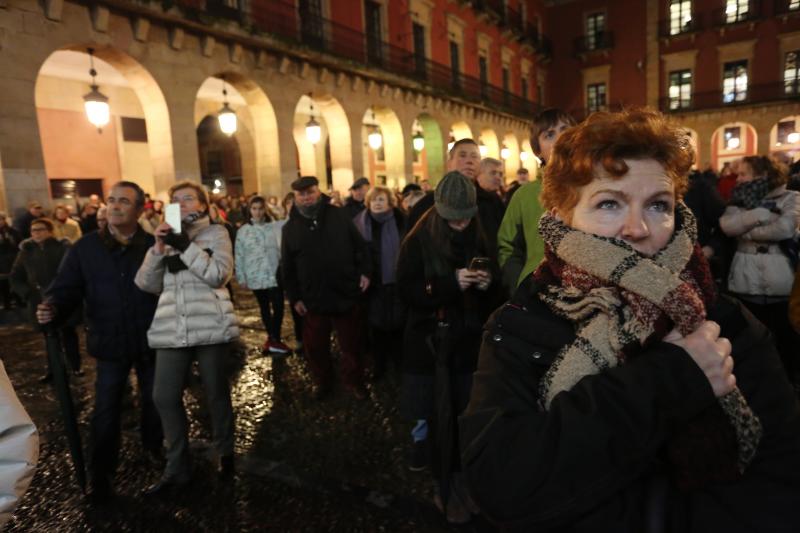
793, 137
523, 156
505, 152
483, 149
94, 102
313, 129
418, 141
375, 139
228, 122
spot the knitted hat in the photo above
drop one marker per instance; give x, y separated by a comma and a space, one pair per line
454, 197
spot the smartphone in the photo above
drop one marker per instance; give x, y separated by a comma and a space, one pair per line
479, 263
172, 216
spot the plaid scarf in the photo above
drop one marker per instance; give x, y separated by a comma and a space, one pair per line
621, 301
750, 194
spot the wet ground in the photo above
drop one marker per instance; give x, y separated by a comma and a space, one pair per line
336, 465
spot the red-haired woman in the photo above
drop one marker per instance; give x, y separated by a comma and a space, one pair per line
606, 396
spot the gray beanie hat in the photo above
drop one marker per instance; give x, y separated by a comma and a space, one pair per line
454, 197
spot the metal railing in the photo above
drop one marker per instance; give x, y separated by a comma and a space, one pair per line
754, 94
725, 16
665, 27
785, 7
308, 29
602, 40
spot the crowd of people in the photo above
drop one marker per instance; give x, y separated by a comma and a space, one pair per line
611, 344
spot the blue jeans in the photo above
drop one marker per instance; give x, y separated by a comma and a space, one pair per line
420, 430
112, 381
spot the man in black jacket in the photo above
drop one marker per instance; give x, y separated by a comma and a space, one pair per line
99, 269
465, 157
23, 223
491, 208
355, 202
326, 266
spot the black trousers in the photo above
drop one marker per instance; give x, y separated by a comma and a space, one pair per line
110, 387
270, 301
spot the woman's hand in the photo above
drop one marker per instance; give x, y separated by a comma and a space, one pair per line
162, 230
484, 279
466, 278
712, 354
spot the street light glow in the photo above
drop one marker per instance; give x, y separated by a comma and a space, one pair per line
313, 131
505, 152
227, 120
97, 110
375, 140
418, 141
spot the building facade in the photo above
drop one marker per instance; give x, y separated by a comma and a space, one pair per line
726, 69
420, 73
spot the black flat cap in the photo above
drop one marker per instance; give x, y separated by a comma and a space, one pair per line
360, 182
304, 183
410, 187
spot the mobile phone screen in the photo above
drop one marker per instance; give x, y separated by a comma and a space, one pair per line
172, 216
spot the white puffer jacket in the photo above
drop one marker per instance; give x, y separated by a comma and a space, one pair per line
194, 307
19, 449
759, 267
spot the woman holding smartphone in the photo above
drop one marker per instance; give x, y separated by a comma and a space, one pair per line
194, 320
434, 277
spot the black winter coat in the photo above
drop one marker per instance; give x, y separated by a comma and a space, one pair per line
426, 292
491, 211
99, 270
10, 240
353, 208
35, 269
596, 459
385, 309
23, 224
323, 259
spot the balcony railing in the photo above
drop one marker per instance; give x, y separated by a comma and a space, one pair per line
493, 8
513, 21
728, 15
786, 7
755, 94
317, 33
667, 28
602, 40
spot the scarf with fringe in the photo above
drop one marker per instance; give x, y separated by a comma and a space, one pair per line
622, 301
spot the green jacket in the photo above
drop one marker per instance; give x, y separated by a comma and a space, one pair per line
519, 246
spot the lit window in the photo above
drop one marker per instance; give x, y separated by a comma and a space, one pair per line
736, 10
680, 16
596, 97
791, 72
734, 82
595, 27
680, 89
794, 5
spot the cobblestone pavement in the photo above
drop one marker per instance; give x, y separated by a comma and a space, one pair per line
337, 465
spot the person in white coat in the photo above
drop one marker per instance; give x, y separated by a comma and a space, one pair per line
19, 449
194, 320
258, 256
764, 216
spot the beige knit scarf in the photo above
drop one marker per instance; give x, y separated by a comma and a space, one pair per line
621, 300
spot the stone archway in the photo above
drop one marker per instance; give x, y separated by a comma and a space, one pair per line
384, 165
488, 138
137, 142
432, 156
511, 163
784, 139
257, 133
732, 141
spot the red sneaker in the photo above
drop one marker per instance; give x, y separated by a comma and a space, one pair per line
278, 347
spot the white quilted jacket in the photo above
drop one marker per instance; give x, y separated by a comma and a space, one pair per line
194, 307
